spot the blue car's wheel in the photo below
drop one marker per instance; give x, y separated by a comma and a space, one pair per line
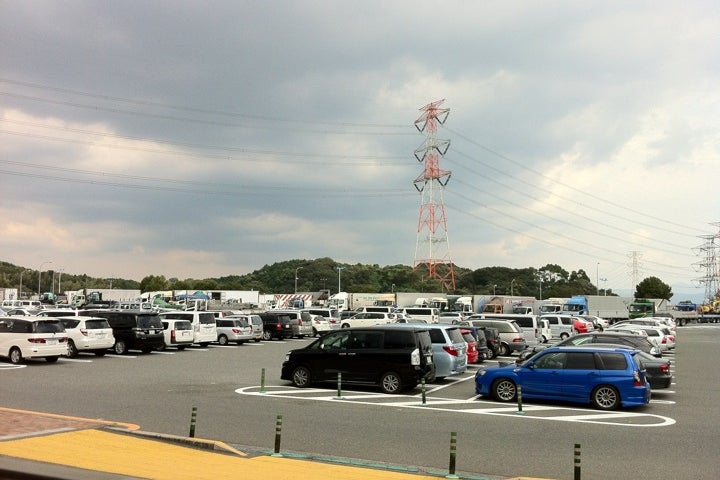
605, 397
504, 390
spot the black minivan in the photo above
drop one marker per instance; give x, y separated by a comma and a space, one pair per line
276, 325
134, 329
393, 358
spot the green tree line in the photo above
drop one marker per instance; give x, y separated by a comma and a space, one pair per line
327, 274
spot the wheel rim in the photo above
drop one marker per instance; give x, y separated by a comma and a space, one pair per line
223, 340
301, 377
15, 356
72, 351
606, 397
391, 383
505, 390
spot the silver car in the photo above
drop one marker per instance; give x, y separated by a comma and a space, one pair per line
236, 330
302, 325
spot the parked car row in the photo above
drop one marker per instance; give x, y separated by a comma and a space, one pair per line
66, 332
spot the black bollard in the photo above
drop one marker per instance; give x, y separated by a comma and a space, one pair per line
193, 419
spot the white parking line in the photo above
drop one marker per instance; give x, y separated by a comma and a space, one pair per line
74, 360
486, 407
112, 355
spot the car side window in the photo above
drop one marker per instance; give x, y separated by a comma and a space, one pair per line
336, 341
613, 361
366, 340
580, 361
555, 360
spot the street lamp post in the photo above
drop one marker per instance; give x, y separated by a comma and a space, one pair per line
597, 278
494, 287
21, 275
604, 280
296, 277
40, 275
339, 269
512, 282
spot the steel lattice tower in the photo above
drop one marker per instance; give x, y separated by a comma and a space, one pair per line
432, 249
710, 263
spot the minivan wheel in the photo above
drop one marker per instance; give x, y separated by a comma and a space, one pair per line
222, 340
301, 377
503, 350
15, 356
605, 397
563, 336
504, 390
390, 382
120, 347
315, 332
267, 336
72, 349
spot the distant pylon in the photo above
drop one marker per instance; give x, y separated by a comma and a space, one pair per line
432, 249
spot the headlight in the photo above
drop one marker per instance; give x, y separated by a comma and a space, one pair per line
480, 373
287, 357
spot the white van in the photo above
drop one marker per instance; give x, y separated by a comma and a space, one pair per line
561, 326
30, 304
32, 337
529, 324
430, 315
204, 329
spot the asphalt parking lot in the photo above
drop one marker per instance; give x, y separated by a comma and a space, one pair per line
158, 391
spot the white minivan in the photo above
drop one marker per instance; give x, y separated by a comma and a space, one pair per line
32, 337
430, 315
204, 329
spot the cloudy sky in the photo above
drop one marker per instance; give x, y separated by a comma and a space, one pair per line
201, 139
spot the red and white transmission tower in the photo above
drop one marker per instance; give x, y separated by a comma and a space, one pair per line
432, 249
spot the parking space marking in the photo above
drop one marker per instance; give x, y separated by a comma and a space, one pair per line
477, 406
111, 355
74, 360
10, 366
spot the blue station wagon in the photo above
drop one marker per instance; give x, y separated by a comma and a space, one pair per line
605, 377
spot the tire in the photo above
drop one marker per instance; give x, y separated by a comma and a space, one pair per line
544, 339
563, 336
301, 377
147, 349
240, 342
504, 390
315, 332
222, 340
390, 382
605, 397
267, 336
181, 347
162, 347
100, 353
504, 350
72, 350
344, 325
15, 356
204, 344
51, 359
257, 340
120, 347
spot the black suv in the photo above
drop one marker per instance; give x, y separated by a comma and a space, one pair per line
276, 325
393, 358
134, 329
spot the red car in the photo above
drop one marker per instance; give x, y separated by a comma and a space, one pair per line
582, 326
473, 355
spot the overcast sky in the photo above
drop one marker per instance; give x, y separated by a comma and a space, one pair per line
202, 139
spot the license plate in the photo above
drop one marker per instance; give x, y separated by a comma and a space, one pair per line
51, 341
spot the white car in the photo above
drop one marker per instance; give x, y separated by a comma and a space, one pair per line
87, 334
178, 333
32, 337
366, 319
322, 325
